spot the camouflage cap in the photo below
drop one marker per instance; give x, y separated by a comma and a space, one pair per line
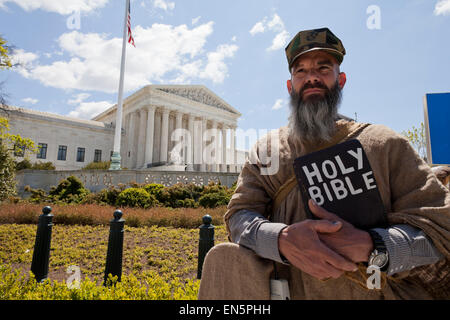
315, 39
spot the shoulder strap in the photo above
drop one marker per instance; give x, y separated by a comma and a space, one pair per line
283, 191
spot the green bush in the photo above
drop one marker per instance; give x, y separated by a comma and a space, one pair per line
155, 189
26, 164
212, 200
102, 165
176, 195
215, 195
23, 165
43, 166
70, 190
37, 195
189, 203
106, 196
136, 197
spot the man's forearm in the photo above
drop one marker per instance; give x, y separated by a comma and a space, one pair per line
408, 247
253, 231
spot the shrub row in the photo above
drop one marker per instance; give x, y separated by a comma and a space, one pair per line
71, 190
26, 164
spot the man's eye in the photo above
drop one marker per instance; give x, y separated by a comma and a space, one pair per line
300, 70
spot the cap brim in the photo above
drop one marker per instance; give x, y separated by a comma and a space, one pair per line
335, 53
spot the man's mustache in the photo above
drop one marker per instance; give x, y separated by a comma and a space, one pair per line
314, 85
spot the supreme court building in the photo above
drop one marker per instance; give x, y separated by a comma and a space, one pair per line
164, 128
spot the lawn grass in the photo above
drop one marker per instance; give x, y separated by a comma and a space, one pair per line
154, 258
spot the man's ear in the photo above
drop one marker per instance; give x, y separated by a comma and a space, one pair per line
342, 78
289, 86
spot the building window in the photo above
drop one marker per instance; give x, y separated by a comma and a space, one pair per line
62, 153
42, 151
80, 154
19, 151
97, 155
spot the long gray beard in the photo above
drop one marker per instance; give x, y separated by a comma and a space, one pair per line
314, 121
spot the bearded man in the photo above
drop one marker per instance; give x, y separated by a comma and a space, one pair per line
327, 257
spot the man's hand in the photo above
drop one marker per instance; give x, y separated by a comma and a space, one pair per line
350, 242
300, 244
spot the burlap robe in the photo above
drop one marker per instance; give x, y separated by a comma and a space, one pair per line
411, 195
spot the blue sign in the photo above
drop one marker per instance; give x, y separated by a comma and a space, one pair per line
437, 126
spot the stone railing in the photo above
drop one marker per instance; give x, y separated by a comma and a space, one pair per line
96, 180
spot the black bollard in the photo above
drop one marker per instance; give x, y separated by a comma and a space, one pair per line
115, 247
205, 243
41, 251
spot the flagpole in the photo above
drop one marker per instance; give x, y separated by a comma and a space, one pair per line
115, 159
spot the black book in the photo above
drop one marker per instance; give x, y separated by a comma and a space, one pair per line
340, 179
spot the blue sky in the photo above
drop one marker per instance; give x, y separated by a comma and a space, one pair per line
397, 51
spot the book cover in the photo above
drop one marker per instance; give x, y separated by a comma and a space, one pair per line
340, 179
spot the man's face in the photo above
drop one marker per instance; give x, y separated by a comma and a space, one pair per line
315, 90
313, 73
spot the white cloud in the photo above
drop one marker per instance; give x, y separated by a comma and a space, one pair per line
23, 60
280, 103
216, 69
163, 53
30, 100
195, 20
257, 28
279, 41
163, 4
87, 110
63, 7
78, 98
442, 7
276, 25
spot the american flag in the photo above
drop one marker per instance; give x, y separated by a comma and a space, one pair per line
130, 36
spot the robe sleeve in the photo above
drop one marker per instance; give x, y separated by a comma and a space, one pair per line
418, 198
254, 191
249, 194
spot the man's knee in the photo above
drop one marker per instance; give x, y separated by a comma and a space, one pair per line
231, 271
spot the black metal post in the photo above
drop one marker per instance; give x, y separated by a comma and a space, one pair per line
205, 243
41, 251
115, 247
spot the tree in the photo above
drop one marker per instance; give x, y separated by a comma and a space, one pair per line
7, 174
416, 137
9, 143
5, 63
5, 51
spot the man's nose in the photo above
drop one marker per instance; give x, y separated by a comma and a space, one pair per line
312, 76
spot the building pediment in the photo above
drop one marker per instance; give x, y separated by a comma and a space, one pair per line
190, 94
197, 93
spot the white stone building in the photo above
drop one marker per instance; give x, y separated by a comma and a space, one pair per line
149, 138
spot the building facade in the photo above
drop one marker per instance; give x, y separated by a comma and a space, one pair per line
164, 128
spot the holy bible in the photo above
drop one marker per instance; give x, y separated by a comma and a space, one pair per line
340, 179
